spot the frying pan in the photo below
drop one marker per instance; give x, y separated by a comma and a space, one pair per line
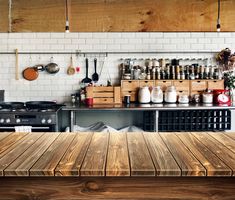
86, 79
42, 104
52, 68
11, 105
31, 73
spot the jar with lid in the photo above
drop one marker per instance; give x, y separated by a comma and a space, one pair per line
207, 96
157, 95
170, 95
144, 95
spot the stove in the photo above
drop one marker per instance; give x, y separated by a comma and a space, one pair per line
38, 115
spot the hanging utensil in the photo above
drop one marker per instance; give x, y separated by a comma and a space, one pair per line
86, 79
71, 70
95, 76
17, 65
52, 68
31, 73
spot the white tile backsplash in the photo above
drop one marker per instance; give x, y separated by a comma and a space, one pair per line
60, 86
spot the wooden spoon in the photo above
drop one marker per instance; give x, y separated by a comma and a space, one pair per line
71, 70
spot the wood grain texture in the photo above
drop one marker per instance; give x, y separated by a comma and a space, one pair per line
124, 188
164, 162
140, 159
3, 135
226, 155
47, 163
17, 149
4, 21
230, 134
189, 165
118, 157
214, 166
22, 165
117, 15
225, 140
71, 162
95, 160
9, 141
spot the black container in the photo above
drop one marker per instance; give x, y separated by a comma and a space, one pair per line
2, 95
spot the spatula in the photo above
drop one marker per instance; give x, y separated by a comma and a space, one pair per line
95, 76
86, 79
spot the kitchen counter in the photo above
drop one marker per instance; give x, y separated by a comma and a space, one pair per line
156, 108
126, 161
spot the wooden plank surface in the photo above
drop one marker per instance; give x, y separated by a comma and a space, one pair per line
111, 16
17, 149
22, 165
214, 166
225, 140
189, 165
71, 162
47, 163
230, 134
164, 162
118, 158
140, 159
9, 141
226, 155
118, 188
4, 134
95, 160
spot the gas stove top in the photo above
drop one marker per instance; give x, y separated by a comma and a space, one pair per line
38, 114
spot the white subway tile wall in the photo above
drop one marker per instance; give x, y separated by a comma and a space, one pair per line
60, 86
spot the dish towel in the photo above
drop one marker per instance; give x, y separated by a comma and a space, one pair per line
23, 128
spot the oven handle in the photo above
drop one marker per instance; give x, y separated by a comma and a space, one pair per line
34, 127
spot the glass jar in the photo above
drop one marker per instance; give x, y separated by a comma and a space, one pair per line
144, 95
157, 95
207, 96
170, 95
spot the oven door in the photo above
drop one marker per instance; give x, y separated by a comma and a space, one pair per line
11, 128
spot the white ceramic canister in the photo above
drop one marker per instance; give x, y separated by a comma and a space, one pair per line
144, 95
157, 95
170, 95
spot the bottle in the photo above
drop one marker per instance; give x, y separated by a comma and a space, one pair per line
206, 73
154, 73
158, 76
197, 71
182, 74
187, 72
167, 74
211, 72
177, 76
192, 74
172, 72
201, 72
162, 74
216, 73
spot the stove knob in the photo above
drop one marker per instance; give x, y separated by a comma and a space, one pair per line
49, 121
8, 120
17, 120
1, 120
43, 121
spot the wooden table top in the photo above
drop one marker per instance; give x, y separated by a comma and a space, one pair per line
117, 154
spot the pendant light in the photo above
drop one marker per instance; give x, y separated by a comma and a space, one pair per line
218, 18
67, 17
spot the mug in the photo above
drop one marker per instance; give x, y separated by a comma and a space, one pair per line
89, 101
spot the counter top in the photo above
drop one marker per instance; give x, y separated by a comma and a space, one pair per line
142, 107
117, 154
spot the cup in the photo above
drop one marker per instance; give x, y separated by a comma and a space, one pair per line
127, 99
89, 101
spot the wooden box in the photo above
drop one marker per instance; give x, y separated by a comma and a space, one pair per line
104, 95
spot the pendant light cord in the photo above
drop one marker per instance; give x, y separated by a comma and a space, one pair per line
218, 9
66, 11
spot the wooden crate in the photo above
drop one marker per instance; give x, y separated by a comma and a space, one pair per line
104, 95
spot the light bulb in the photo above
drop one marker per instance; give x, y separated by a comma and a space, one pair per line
67, 26
218, 25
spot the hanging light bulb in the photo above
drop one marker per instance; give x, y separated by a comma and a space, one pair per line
67, 17
218, 19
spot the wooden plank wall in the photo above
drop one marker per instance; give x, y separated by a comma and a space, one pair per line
117, 15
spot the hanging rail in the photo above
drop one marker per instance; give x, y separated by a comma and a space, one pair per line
109, 52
